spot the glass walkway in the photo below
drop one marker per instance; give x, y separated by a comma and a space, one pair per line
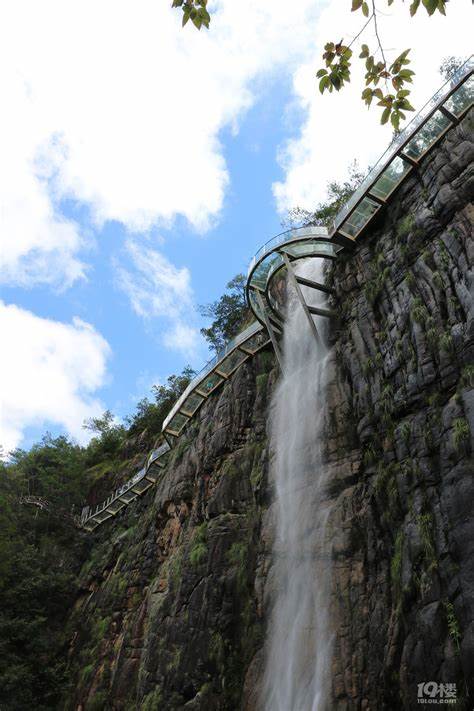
272, 264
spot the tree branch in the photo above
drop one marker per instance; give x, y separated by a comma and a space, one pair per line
374, 15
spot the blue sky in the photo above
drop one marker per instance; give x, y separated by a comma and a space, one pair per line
158, 157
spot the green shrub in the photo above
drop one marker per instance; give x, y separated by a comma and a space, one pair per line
438, 281
453, 624
266, 360
467, 376
237, 556
461, 432
410, 280
405, 226
101, 627
369, 455
419, 312
197, 554
446, 343
405, 432
152, 701
367, 366
432, 337
444, 254
86, 673
199, 549
175, 564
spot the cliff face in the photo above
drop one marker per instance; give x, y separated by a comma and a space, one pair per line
168, 614
402, 410
174, 597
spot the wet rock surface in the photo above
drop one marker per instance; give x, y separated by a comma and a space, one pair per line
174, 598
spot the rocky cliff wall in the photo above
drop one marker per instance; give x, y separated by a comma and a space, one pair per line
174, 597
168, 615
400, 428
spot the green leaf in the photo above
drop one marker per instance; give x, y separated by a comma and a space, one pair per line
186, 16
406, 74
356, 4
395, 119
206, 18
365, 9
430, 5
385, 115
324, 84
321, 72
414, 7
364, 51
335, 81
400, 61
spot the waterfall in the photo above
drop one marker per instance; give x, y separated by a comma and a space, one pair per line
298, 648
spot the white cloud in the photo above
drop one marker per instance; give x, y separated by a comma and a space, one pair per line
113, 105
338, 127
182, 337
158, 289
38, 244
49, 373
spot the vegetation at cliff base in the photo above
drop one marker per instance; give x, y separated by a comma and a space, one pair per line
39, 555
41, 549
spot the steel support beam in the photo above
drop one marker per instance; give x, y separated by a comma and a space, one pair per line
343, 240
303, 303
328, 313
376, 199
314, 284
408, 159
454, 119
270, 330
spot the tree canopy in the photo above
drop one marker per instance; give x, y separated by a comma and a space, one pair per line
229, 314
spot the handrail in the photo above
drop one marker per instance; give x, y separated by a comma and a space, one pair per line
448, 88
210, 365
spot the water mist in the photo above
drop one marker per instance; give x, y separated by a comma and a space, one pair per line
298, 651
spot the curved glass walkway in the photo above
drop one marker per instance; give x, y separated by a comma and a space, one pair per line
268, 271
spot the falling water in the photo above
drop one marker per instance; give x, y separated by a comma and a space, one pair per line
298, 654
